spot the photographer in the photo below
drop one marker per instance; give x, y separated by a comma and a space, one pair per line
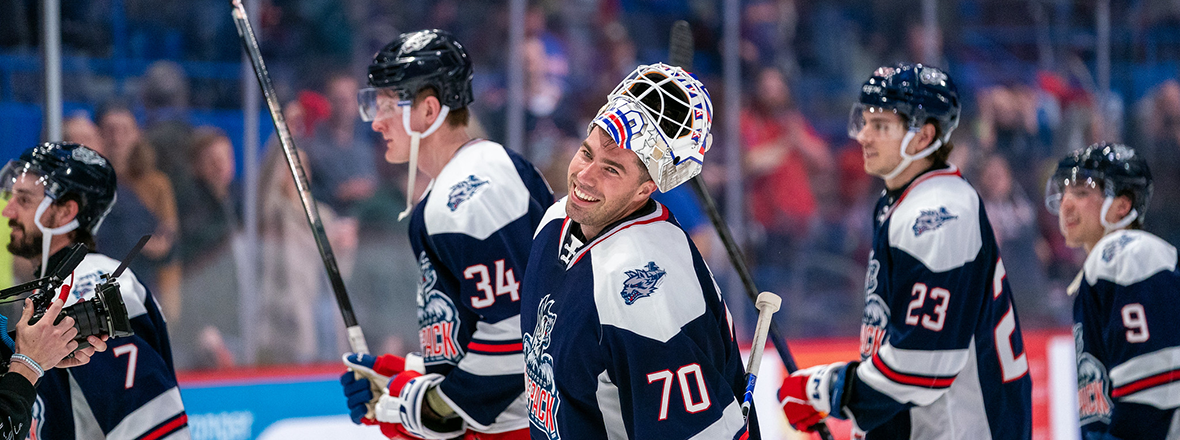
38, 347
58, 195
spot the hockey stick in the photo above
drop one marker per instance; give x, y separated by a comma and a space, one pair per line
680, 51
356, 339
767, 304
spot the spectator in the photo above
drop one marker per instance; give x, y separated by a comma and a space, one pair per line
292, 285
164, 95
79, 129
783, 154
1159, 119
146, 205
1014, 222
209, 327
340, 150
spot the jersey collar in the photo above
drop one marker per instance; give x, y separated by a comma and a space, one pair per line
573, 246
897, 195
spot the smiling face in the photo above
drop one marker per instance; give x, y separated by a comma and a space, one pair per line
606, 183
1081, 211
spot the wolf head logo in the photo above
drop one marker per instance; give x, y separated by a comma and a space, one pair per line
642, 282
930, 220
462, 191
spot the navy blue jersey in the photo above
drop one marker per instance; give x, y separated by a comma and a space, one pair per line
942, 356
127, 392
626, 336
1128, 338
471, 234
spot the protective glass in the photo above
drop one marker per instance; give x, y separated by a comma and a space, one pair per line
21, 171
1057, 185
371, 107
880, 128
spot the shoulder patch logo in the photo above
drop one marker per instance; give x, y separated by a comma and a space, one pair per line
642, 282
462, 191
540, 387
1114, 247
931, 219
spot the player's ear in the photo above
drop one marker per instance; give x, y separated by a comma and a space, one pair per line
646, 189
922, 140
62, 214
1119, 209
431, 107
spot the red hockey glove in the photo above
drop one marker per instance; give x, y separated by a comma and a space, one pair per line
806, 395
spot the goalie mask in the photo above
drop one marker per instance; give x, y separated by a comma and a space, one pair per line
664, 115
1115, 169
63, 169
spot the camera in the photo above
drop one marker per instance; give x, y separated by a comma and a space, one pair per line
105, 314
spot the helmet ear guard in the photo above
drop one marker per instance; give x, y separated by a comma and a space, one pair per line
664, 115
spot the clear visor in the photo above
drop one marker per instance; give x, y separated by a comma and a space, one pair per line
880, 123
377, 103
1060, 183
21, 182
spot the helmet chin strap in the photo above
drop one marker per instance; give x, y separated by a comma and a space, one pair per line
906, 158
1111, 227
48, 233
415, 138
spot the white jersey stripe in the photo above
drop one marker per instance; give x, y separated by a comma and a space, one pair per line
163, 407
611, 408
924, 362
1145, 366
727, 427
492, 365
918, 395
1166, 396
505, 330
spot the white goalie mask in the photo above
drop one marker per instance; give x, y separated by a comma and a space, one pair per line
664, 115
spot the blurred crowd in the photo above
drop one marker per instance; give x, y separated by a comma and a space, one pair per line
807, 219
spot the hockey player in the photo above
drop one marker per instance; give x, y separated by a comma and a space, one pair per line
941, 353
471, 234
625, 331
1125, 331
58, 194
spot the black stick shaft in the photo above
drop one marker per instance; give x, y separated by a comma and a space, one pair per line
355, 338
680, 54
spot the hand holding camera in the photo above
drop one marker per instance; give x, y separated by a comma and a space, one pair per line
50, 343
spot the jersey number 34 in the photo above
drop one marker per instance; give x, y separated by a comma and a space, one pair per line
506, 284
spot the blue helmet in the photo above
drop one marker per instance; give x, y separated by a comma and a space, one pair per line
69, 169
916, 92
427, 58
1114, 168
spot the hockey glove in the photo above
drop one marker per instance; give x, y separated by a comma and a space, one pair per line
806, 395
374, 374
405, 401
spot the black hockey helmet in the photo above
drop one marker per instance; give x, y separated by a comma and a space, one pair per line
64, 169
1114, 168
416, 60
916, 92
